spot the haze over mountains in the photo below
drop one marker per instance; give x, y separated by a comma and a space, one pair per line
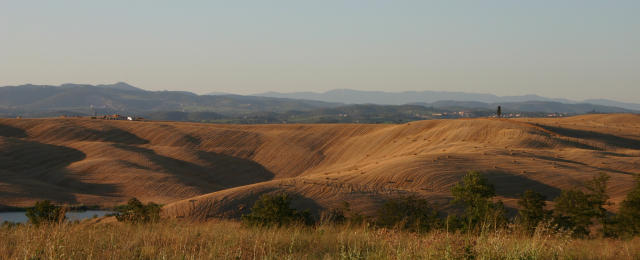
350, 96
124, 98
308, 107
399, 98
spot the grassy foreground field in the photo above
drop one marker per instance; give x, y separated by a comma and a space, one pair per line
232, 240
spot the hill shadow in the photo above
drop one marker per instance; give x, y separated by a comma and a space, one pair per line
117, 135
184, 139
554, 159
10, 131
512, 185
81, 133
39, 171
302, 203
223, 170
234, 171
608, 139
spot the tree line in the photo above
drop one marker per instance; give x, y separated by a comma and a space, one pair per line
580, 212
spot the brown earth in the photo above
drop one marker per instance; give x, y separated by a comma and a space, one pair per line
205, 170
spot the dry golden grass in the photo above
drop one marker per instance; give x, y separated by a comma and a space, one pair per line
231, 240
203, 170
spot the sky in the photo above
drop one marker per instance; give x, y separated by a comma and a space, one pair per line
563, 49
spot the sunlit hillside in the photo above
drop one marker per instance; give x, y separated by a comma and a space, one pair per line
206, 170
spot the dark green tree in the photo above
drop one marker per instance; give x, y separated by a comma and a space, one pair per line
275, 210
628, 218
453, 222
45, 212
598, 197
532, 210
137, 212
475, 193
410, 213
575, 209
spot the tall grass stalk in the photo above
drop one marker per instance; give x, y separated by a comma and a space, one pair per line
232, 240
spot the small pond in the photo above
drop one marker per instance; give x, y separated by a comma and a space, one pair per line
20, 217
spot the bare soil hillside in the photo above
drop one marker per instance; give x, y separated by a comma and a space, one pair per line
205, 170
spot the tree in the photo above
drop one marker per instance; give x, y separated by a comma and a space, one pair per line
410, 213
532, 210
598, 197
474, 192
137, 212
628, 218
472, 189
499, 112
575, 209
45, 212
275, 210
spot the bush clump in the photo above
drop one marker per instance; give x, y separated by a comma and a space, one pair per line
627, 222
409, 213
532, 211
475, 194
336, 215
275, 210
575, 210
45, 212
137, 212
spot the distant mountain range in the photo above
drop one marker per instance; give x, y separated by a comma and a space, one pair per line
527, 106
124, 98
349, 96
612, 103
333, 106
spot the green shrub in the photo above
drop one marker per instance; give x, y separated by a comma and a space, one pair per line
598, 197
574, 209
137, 212
532, 210
45, 212
409, 213
627, 222
358, 219
453, 222
475, 192
276, 210
336, 215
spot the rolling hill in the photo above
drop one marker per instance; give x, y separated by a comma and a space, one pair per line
205, 170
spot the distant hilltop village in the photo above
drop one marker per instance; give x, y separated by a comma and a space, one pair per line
471, 114
106, 117
341, 117
118, 117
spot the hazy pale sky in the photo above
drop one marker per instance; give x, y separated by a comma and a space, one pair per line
572, 49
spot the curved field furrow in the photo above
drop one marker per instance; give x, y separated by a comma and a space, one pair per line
205, 170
